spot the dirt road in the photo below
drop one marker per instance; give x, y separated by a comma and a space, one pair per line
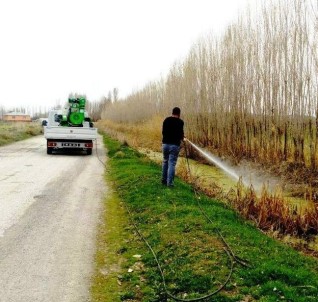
49, 210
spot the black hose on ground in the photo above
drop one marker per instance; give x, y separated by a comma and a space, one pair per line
230, 254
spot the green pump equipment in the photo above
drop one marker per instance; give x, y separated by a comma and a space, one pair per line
75, 116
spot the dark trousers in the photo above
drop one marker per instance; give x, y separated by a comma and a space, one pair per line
170, 157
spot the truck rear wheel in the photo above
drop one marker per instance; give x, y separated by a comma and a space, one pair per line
89, 151
49, 150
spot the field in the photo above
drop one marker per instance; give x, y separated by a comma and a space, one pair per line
12, 132
185, 231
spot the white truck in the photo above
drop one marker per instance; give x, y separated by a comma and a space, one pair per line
61, 136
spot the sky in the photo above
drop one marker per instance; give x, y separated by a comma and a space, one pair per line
51, 48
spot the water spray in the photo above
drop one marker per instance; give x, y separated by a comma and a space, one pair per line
210, 157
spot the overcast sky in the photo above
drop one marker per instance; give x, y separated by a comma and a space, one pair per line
50, 48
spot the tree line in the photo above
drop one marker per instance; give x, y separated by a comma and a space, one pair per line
251, 92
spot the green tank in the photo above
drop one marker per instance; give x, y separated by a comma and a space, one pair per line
75, 115
76, 111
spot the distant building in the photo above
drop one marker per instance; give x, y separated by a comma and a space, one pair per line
16, 117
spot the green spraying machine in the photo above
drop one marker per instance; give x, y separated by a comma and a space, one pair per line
76, 114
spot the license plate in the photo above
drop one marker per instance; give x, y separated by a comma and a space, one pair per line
70, 145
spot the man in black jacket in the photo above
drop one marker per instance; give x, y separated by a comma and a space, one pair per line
172, 135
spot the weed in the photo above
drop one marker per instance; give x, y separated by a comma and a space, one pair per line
272, 212
12, 132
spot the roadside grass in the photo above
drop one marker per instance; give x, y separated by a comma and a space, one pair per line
187, 245
111, 238
11, 132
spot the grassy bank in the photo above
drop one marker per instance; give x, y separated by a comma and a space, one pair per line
11, 132
187, 245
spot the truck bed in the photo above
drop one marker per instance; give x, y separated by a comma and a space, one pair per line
73, 133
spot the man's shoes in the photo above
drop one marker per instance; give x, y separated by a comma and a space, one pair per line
164, 183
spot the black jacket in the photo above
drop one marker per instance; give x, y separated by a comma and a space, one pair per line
172, 131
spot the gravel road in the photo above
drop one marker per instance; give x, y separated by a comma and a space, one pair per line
49, 211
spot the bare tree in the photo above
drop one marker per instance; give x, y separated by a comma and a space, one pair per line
250, 93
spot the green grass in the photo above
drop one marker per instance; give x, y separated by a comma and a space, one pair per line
14, 131
188, 248
111, 244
